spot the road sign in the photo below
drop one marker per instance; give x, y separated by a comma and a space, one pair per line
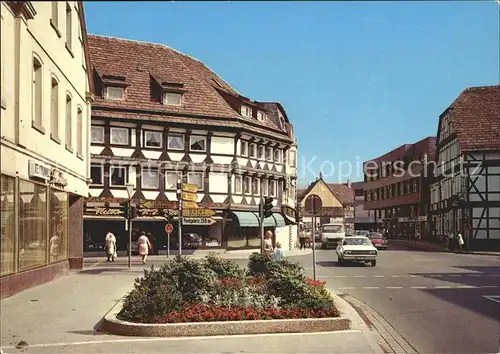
191, 188
198, 213
169, 228
313, 204
190, 205
189, 196
157, 204
198, 221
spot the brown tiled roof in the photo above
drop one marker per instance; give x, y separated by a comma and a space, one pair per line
426, 145
343, 192
475, 117
144, 64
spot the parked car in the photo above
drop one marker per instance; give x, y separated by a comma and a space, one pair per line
378, 240
361, 233
357, 249
332, 235
192, 241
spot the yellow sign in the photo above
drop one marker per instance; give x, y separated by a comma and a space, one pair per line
191, 188
157, 204
189, 205
189, 196
197, 213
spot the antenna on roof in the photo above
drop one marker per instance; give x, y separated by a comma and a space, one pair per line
320, 175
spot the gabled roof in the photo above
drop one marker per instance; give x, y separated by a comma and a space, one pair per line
341, 191
141, 64
475, 118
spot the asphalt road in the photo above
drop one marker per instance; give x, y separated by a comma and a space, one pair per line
438, 302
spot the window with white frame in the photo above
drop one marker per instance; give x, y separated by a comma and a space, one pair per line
282, 123
265, 187
79, 131
171, 180
246, 111
256, 186
97, 134
238, 184
243, 148
272, 188
172, 98
196, 178
69, 122
69, 26
269, 154
197, 143
261, 116
115, 93
262, 152
153, 139
119, 136
36, 102
150, 178
277, 156
253, 150
247, 185
175, 142
118, 175
97, 175
293, 158
54, 109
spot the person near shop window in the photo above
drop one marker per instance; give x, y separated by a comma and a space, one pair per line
461, 242
144, 245
110, 246
268, 242
54, 247
278, 252
302, 240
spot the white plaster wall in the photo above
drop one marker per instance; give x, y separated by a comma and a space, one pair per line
218, 182
222, 145
282, 236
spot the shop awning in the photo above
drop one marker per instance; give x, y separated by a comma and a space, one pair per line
275, 220
246, 218
280, 221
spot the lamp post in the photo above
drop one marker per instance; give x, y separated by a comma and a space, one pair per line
130, 192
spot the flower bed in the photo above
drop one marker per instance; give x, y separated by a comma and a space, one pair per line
215, 289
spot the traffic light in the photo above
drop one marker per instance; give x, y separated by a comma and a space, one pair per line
268, 205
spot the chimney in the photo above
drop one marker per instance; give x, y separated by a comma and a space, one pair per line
320, 175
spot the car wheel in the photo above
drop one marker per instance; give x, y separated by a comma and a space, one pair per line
374, 263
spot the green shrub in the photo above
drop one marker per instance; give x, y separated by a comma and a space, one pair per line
223, 268
258, 263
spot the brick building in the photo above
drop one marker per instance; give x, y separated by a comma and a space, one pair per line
396, 187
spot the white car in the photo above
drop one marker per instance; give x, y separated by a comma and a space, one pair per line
357, 249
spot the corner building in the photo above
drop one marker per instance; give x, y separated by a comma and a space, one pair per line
45, 119
161, 115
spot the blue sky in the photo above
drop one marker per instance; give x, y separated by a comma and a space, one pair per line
357, 79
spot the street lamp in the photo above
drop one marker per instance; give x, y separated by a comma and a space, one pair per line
130, 192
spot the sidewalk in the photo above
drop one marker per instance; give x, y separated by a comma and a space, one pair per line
435, 247
60, 317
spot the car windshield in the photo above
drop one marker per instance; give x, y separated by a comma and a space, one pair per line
333, 228
362, 232
357, 241
376, 236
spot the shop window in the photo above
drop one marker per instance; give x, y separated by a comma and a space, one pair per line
58, 242
256, 186
175, 142
401, 189
32, 225
253, 150
97, 175
153, 139
243, 148
97, 134
247, 185
238, 181
264, 187
414, 185
119, 176
197, 179
150, 179
171, 180
197, 143
8, 232
119, 136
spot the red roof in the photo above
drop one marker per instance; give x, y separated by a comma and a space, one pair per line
475, 117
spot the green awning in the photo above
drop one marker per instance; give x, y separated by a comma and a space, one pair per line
280, 221
246, 218
275, 220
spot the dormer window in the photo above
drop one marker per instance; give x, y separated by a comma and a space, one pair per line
172, 98
246, 111
115, 93
282, 122
261, 116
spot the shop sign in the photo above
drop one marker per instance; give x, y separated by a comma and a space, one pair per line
198, 221
38, 170
403, 219
57, 179
197, 213
107, 211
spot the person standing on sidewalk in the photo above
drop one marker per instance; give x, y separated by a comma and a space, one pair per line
144, 245
278, 252
110, 246
302, 240
446, 242
268, 243
460, 242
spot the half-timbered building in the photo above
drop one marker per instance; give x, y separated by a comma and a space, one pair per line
465, 194
161, 116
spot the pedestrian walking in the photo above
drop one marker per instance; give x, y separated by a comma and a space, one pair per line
302, 240
460, 242
268, 243
446, 242
110, 246
278, 252
143, 245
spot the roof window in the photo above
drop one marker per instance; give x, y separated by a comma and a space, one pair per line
172, 98
246, 111
261, 116
115, 93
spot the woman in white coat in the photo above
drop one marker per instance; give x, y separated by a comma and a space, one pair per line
110, 246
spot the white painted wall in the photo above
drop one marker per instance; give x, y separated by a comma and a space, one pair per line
222, 145
218, 182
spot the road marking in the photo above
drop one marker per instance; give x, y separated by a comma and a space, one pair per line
162, 339
360, 276
455, 275
474, 275
435, 275
371, 287
340, 276
397, 276
414, 276
493, 275
495, 298
394, 287
418, 287
443, 287
321, 276
378, 276
347, 288
465, 287
489, 286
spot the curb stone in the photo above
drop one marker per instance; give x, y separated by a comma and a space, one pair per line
389, 339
